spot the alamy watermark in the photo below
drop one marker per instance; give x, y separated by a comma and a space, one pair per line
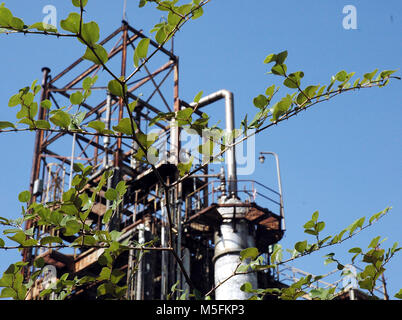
200, 149
50, 18
350, 20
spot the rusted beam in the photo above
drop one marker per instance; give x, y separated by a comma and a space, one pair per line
77, 62
153, 43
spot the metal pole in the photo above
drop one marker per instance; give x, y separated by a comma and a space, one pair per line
164, 266
140, 272
106, 139
278, 173
72, 161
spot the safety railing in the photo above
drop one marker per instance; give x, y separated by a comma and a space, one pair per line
249, 191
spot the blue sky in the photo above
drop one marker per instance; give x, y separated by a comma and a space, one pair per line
342, 157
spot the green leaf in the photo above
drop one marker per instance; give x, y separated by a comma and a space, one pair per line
341, 76
378, 215
6, 124
39, 262
279, 69
41, 26
184, 115
88, 82
90, 33
161, 35
310, 224
281, 57
116, 88
249, 253
78, 3
301, 246
50, 240
281, 107
132, 105
291, 83
47, 104
111, 194
355, 250
76, 98
270, 58
184, 168
121, 188
387, 73
141, 51
5, 17
312, 232
370, 76
246, 287
270, 91
320, 226
104, 274
260, 101
97, 54
198, 13
19, 237
357, 224
61, 119
106, 217
17, 23
24, 196
124, 126
2, 243
315, 215
117, 275
198, 96
15, 100
72, 227
374, 242
98, 125
71, 23
399, 294
8, 293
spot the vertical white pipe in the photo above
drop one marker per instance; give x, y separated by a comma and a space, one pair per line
72, 161
140, 275
164, 262
229, 118
106, 139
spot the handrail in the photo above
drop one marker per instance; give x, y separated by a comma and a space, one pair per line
250, 190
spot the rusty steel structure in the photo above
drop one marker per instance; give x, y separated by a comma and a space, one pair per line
197, 205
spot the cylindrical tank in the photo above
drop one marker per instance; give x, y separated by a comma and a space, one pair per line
230, 240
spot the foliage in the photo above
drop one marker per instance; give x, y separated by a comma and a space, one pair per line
69, 216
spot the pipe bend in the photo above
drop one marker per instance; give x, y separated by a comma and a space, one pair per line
229, 119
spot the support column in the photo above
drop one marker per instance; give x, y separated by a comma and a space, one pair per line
230, 240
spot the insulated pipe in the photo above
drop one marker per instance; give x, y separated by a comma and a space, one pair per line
230, 154
229, 241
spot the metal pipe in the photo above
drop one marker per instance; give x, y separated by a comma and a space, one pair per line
164, 262
229, 118
140, 272
106, 139
278, 173
228, 245
72, 161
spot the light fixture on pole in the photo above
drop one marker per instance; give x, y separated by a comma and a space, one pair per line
278, 172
